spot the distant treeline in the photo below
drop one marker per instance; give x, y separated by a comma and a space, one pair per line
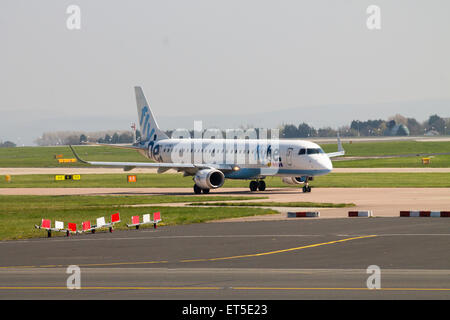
75, 138
394, 126
7, 144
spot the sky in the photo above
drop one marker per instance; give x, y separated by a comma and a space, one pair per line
247, 62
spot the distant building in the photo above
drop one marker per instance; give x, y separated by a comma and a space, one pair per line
399, 130
431, 133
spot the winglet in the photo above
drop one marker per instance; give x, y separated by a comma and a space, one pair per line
340, 148
340, 151
76, 155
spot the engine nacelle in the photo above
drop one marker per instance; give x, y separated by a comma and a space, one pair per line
209, 178
294, 180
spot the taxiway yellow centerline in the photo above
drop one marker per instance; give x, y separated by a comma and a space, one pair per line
280, 251
206, 259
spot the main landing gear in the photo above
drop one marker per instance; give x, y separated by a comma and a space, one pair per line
306, 187
198, 190
257, 185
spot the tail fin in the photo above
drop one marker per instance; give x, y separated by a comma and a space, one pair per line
149, 127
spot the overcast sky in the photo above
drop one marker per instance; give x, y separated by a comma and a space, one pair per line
233, 57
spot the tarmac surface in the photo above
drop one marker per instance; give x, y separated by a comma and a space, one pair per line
384, 202
296, 259
261, 257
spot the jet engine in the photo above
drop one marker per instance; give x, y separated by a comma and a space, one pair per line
209, 178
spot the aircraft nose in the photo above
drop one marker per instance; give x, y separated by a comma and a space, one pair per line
327, 164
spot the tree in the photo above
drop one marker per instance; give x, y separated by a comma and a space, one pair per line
115, 138
326, 132
399, 119
289, 131
305, 131
391, 124
415, 128
138, 135
7, 144
436, 123
126, 137
73, 139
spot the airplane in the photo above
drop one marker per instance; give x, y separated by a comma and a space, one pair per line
211, 161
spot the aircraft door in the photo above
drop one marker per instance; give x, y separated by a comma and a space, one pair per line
289, 153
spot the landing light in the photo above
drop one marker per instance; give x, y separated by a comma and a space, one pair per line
236, 168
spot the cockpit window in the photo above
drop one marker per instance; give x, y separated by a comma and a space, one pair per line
302, 151
314, 151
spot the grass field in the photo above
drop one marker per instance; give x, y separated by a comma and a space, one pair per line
153, 180
19, 214
378, 148
45, 156
439, 161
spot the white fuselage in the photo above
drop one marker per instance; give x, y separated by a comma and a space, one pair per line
254, 158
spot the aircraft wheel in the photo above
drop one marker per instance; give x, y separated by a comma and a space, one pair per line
306, 189
261, 185
253, 185
197, 189
205, 191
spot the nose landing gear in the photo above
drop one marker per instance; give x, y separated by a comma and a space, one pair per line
306, 187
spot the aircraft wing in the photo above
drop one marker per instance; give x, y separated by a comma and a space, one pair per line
335, 154
118, 146
158, 165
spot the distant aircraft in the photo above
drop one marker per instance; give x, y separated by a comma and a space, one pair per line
211, 161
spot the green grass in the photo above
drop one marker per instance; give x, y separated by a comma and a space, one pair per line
361, 149
440, 161
77, 201
45, 156
19, 214
276, 204
153, 180
383, 180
